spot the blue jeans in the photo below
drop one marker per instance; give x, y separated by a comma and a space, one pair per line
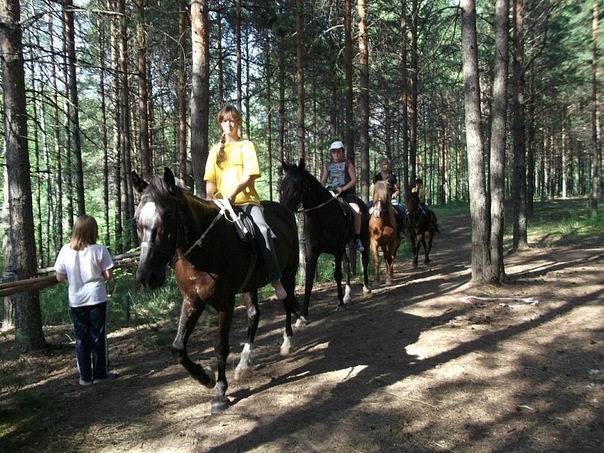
89, 328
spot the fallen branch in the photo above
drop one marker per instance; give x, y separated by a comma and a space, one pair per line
37, 283
527, 300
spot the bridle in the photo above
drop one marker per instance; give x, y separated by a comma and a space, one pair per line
221, 213
377, 209
305, 190
414, 218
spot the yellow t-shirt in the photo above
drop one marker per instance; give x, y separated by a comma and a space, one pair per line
241, 161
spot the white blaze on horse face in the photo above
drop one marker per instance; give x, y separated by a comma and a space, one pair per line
148, 218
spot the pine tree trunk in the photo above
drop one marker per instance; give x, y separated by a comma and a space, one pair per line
478, 211
19, 247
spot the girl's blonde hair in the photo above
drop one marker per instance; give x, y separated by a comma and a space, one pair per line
85, 232
227, 112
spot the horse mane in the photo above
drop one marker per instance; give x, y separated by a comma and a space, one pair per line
157, 189
381, 193
314, 184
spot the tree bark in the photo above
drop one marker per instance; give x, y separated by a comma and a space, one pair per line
182, 95
199, 92
349, 97
478, 211
363, 100
143, 94
595, 118
300, 114
497, 161
74, 106
413, 92
19, 246
520, 238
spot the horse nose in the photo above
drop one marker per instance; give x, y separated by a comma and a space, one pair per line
149, 278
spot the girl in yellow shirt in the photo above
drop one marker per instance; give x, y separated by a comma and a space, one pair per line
230, 172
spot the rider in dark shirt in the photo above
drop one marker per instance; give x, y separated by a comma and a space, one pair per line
386, 175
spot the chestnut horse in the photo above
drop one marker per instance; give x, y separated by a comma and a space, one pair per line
420, 224
383, 232
211, 265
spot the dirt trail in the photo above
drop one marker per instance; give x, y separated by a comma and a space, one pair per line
414, 367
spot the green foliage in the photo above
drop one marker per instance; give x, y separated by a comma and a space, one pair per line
562, 222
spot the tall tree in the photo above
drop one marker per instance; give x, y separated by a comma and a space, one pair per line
200, 95
596, 174
363, 99
182, 91
498, 134
520, 238
74, 103
349, 96
474, 144
300, 130
143, 93
413, 90
19, 246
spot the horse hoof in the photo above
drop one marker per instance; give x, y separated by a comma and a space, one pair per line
366, 290
220, 405
388, 282
375, 285
341, 307
301, 322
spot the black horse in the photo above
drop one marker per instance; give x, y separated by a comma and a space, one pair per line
327, 229
420, 224
212, 265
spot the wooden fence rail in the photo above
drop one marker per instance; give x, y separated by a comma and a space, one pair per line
36, 283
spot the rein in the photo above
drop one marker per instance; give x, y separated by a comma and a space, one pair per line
205, 233
314, 207
413, 218
226, 211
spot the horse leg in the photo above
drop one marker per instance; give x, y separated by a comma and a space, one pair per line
389, 258
220, 402
189, 315
311, 268
337, 275
245, 366
416, 244
290, 304
430, 237
365, 262
426, 250
376, 264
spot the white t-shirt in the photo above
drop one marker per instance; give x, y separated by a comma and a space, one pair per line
84, 269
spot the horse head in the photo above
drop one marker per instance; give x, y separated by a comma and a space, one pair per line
412, 203
381, 198
156, 222
292, 185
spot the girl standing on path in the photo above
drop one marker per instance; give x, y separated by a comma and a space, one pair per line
86, 266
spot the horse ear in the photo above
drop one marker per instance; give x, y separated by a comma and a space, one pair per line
138, 182
301, 164
169, 177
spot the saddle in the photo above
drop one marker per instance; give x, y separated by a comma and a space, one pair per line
244, 224
346, 209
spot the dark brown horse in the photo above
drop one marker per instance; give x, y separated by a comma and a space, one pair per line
327, 229
212, 265
383, 232
420, 224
